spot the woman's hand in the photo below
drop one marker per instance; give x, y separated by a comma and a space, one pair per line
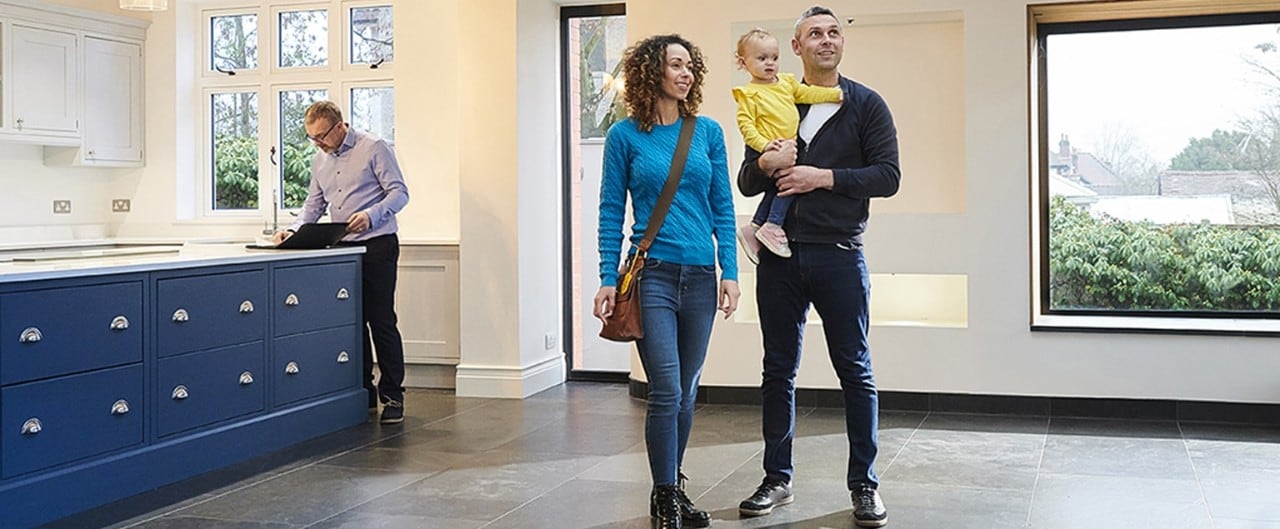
729, 295
602, 307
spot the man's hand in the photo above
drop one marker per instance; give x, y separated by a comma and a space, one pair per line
803, 179
775, 159
358, 222
280, 236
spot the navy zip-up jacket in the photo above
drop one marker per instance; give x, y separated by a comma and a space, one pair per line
860, 146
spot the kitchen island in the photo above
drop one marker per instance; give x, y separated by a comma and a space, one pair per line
129, 367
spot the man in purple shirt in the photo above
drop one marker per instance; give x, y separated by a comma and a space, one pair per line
356, 178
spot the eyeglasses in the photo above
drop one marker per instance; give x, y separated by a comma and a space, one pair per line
324, 135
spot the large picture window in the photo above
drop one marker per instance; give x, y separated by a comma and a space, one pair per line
1159, 166
263, 66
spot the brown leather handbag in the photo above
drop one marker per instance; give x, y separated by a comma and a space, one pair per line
624, 324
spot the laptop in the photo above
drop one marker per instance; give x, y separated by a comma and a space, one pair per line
313, 236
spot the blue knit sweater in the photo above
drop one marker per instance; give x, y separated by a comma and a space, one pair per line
699, 226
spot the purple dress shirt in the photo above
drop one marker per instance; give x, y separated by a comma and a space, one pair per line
362, 175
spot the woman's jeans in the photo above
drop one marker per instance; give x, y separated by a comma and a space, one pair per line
678, 305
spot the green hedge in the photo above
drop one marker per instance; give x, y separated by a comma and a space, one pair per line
1112, 264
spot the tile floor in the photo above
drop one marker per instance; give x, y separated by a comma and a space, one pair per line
573, 457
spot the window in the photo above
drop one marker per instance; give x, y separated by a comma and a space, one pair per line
592, 41
265, 65
1158, 163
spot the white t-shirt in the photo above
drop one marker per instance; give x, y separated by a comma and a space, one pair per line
815, 119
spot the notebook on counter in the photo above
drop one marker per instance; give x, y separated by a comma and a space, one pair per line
314, 236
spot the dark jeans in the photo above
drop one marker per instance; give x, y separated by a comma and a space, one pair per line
772, 208
678, 306
381, 258
833, 278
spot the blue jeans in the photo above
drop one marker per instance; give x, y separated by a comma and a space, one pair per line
677, 305
772, 208
833, 278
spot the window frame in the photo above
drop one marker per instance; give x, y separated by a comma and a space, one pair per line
348, 86
1058, 19
347, 63
268, 80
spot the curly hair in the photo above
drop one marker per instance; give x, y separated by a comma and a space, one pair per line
644, 67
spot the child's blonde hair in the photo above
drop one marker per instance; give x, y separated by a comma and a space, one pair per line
752, 35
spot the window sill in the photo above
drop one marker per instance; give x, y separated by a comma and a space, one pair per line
1154, 325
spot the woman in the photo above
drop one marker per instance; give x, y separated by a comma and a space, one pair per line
678, 294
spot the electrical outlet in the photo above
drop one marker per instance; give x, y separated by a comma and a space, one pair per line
61, 207
550, 340
120, 205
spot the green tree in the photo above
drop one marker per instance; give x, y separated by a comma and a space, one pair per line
1218, 152
1112, 264
235, 115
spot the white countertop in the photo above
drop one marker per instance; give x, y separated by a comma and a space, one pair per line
66, 261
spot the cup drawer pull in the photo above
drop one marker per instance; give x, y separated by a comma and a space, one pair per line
32, 426
30, 335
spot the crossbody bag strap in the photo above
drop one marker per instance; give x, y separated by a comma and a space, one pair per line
673, 181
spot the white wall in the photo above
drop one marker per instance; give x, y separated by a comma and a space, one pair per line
31, 187
989, 240
477, 121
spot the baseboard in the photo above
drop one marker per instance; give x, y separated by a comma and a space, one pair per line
1100, 408
512, 382
430, 376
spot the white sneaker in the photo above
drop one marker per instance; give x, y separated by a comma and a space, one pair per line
750, 246
774, 238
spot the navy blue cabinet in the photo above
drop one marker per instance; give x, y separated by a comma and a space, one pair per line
69, 418
316, 297
316, 363
204, 388
115, 384
57, 331
210, 310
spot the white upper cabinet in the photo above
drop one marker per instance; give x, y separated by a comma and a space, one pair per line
45, 81
113, 111
72, 80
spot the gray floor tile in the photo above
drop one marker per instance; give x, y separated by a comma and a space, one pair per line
1005, 424
585, 434
928, 506
1074, 501
193, 522
481, 492
1245, 495
580, 504
366, 520
304, 496
1213, 458
1117, 456
462, 463
1232, 523
1115, 428
1006, 461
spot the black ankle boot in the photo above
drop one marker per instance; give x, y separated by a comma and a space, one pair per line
691, 516
664, 507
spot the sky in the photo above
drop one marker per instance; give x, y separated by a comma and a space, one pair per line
1167, 86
